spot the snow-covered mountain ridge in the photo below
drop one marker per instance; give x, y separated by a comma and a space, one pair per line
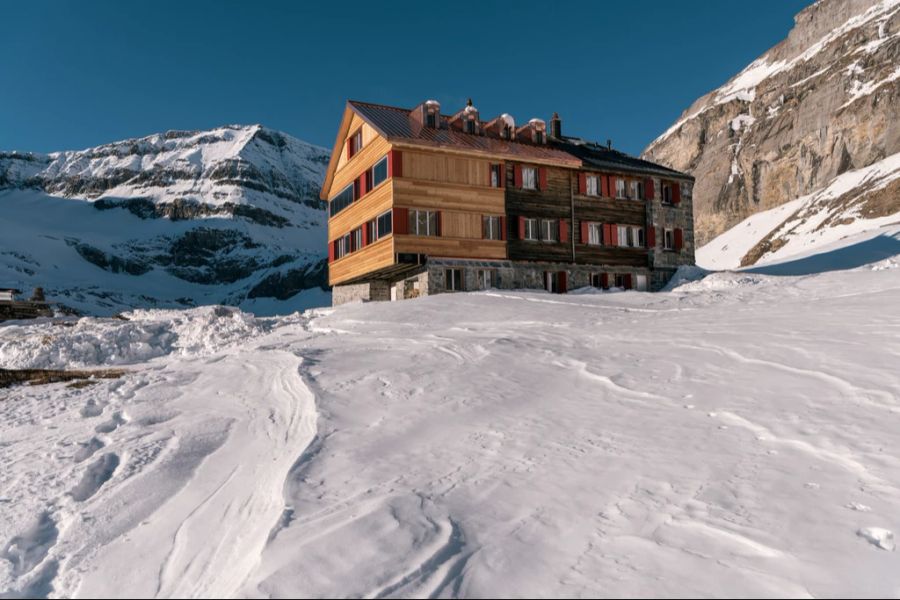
823, 102
230, 215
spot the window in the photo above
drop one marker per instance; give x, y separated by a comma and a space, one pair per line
620, 187
620, 280
453, 280
593, 185
342, 246
491, 228
667, 193
342, 200
356, 239
623, 233
355, 143
538, 137
470, 126
597, 280
486, 279
495, 175
431, 120
383, 225
422, 222
507, 132
379, 172
595, 234
549, 230
551, 282
637, 190
640, 283
529, 178
639, 237
531, 229
668, 240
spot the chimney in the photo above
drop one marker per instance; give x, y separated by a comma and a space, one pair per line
555, 127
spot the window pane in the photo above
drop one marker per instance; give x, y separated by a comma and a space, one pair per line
432, 222
379, 171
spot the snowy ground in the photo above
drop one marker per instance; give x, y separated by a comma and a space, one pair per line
734, 437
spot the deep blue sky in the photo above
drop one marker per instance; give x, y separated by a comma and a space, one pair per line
80, 73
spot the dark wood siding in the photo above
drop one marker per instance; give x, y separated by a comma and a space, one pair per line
556, 203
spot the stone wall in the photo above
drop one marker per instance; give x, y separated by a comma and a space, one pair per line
666, 216
360, 292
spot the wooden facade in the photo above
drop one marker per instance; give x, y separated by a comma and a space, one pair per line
459, 184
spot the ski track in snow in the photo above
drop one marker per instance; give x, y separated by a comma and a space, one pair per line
733, 437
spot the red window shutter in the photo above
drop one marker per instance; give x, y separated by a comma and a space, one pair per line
437, 219
503, 228
395, 163
330, 252
585, 234
604, 186
521, 228
582, 183
604, 281
562, 282
350, 147
517, 176
401, 220
542, 178
363, 180
607, 235
651, 236
627, 279
648, 189
676, 192
679, 239
613, 234
563, 230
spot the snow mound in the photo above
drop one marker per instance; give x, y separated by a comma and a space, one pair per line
145, 335
685, 274
878, 537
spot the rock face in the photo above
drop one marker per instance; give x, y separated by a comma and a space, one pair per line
230, 215
823, 102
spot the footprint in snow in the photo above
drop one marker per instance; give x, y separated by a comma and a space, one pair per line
811, 486
859, 507
99, 472
26, 550
113, 424
878, 537
87, 449
91, 409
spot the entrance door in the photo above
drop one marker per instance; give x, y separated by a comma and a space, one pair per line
640, 283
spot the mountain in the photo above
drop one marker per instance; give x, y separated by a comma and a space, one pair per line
181, 218
823, 103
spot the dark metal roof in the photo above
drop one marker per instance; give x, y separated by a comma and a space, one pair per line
594, 155
396, 125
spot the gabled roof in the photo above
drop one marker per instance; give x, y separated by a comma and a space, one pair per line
397, 126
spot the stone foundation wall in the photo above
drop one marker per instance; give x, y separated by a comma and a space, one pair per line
360, 292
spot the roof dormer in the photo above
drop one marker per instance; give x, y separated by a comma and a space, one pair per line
467, 120
503, 127
431, 114
534, 132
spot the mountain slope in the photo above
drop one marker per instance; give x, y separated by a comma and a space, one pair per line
823, 102
735, 437
230, 215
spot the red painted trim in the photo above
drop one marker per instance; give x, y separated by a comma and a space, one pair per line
582, 183
542, 178
521, 228
651, 236
679, 240
648, 189
604, 186
676, 192
400, 223
395, 163
563, 230
517, 176
585, 234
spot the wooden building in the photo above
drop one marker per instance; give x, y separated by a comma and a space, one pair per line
422, 202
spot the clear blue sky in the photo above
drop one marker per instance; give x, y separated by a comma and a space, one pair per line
78, 74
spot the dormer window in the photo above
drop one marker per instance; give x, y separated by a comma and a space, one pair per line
469, 126
535, 132
538, 137
432, 114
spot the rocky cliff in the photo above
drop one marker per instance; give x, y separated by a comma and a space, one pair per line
230, 215
823, 102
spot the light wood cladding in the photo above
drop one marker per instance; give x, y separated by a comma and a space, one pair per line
362, 160
368, 207
461, 225
369, 134
375, 256
413, 193
446, 168
450, 247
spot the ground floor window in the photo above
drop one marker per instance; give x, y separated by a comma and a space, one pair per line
453, 280
598, 280
640, 283
490, 227
668, 240
555, 282
486, 278
620, 280
549, 230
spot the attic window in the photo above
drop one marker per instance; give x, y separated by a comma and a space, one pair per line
538, 129
431, 120
432, 114
470, 126
354, 143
